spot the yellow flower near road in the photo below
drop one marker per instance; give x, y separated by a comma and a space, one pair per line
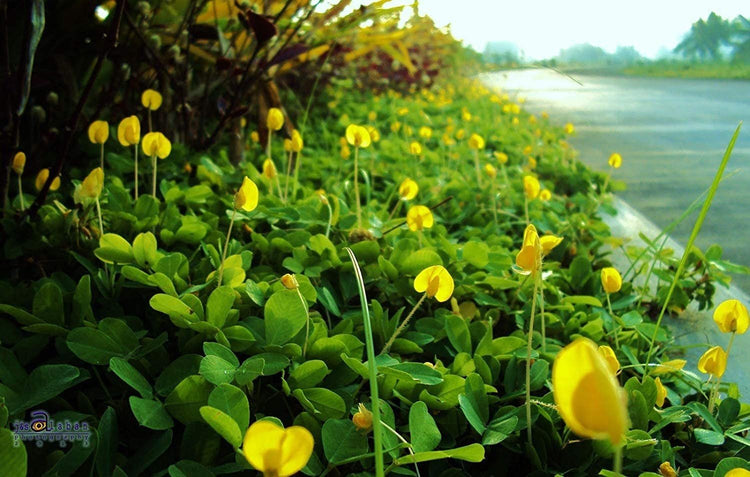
531, 187
548, 243
528, 259
41, 178
129, 131
247, 197
731, 316
151, 99
611, 280
156, 144
275, 119
615, 160
269, 169
415, 148
419, 217
587, 394
661, 392
99, 132
436, 282
275, 451
569, 128
713, 362
609, 356
358, 136
476, 141
408, 189
19, 162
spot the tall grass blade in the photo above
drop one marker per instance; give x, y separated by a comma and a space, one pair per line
372, 367
693, 236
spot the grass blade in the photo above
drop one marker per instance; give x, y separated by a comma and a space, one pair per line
372, 367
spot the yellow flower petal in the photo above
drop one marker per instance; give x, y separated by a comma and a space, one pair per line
661, 392
19, 162
297, 142
92, 185
531, 187
436, 281
275, 119
528, 257
670, 366
151, 99
408, 189
296, 450
419, 217
248, 193
262, 445
611, 280
587, 395
731, 316
415, 148
358, 136
129, 131
615, 160
156, 144
269, 169
98, 132
713, 362
476, 141
549, 242
609, 356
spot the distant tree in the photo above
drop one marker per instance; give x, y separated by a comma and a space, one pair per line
705, 38
583, 53
501, 52
626, 55
741, 27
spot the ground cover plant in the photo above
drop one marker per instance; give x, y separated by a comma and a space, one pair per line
414, 280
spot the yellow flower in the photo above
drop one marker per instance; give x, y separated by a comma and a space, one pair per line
448, 140
506, 108
569, 129
408, 189
476, 141
287, 145
545, 195
531, 187
587, 394
666, 470
41, 178
269, 169
415, 148
247, 197
275, 119
357, 136
91, 187
731, 316
297, 142
611, 359
402, 111
19, 162
670, 366
615, 160
528, 150
425, 132
661, 392
738, 472
345, 151
545, 115
532, 162
156, 144
611, 280
275, 451
548, 243
419, 217
501, 157
460, 134
362, 419
713, 362
528, 259
490, 170
515, 109
129, 131
289, 281
254, 136
151, 99
395, 126
374, 134
98, 132
515, 121
465, 115
436, 282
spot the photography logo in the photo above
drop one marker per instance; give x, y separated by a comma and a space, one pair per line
42, 428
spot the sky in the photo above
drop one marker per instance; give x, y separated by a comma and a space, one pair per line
542, 28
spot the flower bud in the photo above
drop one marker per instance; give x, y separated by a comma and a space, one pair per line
363, 419
289, 281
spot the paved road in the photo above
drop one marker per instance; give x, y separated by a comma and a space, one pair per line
671, 133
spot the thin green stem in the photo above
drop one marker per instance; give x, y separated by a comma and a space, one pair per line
541, 310
99, 213
288, 174
401, 328
268, 144
372, 369
617, 324
476, 166
307, 322
528, 361
395, 208
153, 185
494, 202
150, 127
296, 174
136, 171
101, 156
693, 236
617, 463
715, 391
356, 186
226, 246
526, 208
20, 192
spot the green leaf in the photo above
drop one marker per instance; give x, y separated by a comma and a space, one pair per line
322, 403
23, 317
106, 448
145, 250
131, 376
539, 374
499, 429
416, 372
729, 463
150, 413
417, 261
179, 369
474, 403
34, 37
223, 424
93, 345
285, 316
709, 437
12, 459
582, 300
114, 249
250, 369
179, 312
82, 310
458, 333
471, 453
505, 345
48, 304
44, 383
425, 435
308, 374
217, 370
219, 303
185, 400
476, 253
443, 396
233, 402
217, 349
341, 440
729, 409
